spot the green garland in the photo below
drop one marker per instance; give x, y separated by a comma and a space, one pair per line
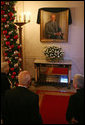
10, 36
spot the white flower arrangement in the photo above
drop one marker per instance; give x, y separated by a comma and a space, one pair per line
54, 53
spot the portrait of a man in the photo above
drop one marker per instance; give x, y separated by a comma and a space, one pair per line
52, 29
54, 26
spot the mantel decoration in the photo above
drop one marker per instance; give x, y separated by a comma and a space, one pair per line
9, 40
53, 53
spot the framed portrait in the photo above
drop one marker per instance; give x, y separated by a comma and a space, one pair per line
54, 26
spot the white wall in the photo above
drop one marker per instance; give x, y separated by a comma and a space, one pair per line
33, 48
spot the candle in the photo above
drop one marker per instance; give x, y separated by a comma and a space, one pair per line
19, 18
16, 19
16, 8
28, 16
24, 18
29, 19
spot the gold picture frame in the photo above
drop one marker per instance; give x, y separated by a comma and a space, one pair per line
61, 26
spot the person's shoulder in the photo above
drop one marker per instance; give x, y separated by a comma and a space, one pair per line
3, 74
9, 91
4, 77
80, 91
14, 91
73, 97
32, 93
48, 23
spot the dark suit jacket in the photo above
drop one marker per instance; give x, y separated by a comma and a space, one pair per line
21, 107
76, 107
51, 28
5, 85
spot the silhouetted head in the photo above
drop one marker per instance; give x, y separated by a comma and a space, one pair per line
78, 81
5, 67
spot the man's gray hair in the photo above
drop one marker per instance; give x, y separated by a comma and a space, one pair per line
24, 77
79, 79
4, 66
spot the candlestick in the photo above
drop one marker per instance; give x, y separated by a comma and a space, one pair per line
20, 24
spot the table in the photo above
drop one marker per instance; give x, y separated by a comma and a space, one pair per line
47, 72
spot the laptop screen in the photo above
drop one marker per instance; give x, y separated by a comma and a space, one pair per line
64, 79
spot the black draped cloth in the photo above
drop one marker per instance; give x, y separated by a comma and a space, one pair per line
54, 10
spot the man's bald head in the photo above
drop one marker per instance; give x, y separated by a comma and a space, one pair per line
53, 17
78, 81
24, 78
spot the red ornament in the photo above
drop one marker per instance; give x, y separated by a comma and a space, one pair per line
18, 47
5, 54
3, 20
19, 54
17, 84
9, 61
10, 14
8, 36
12, 69
16, 37
2, 2
10, 19
2, 12
12, 46
14, 73
7, 43
5, 32
12, 77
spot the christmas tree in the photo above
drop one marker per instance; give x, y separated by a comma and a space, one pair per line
10, 36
